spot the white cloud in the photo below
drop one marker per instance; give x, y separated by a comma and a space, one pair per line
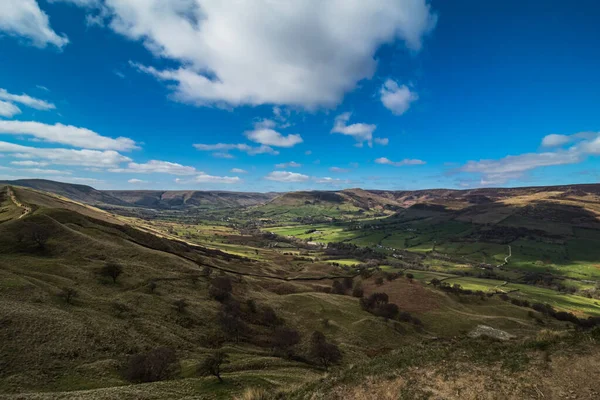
331, 181
205, 178
554, 140
382, 141
41, 87
24, 19
85, 180
360, 132
224, 147
135, 181
263, 134
339, 170
30, 163
41, 171
500, 171
268, 52
286, 176
406, 161
26, 100
66, 134
86, 158
221, 154
238, 171
291, 164
8, 110
516, 165
396, 98
307, 152
158, 167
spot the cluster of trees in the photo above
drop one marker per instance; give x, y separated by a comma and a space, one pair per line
343, 249
457, 289
378, 304
547, 309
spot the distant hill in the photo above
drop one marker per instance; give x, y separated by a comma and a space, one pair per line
356, 201
188, 198
158, 199
83, 193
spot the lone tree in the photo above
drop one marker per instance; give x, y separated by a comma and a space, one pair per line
410, 277
324, 353
35, 234
212, 364
68, 294
111, 270
358, 290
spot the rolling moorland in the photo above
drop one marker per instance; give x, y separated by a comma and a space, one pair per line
352, 294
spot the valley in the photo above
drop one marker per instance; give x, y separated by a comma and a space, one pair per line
94, 285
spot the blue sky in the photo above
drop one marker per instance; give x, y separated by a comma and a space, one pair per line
278, 96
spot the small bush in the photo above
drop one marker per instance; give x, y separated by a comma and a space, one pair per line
180, 305
358, 291
337, 288
68, 294
220, 288
156, 365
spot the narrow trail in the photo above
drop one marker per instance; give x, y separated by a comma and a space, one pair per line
26, 208
509, 255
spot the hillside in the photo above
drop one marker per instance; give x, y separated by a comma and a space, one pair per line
54, 346
190, 198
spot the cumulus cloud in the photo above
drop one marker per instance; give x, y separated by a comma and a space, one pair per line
8, 110
25, 20
360, 132
29, 163
382, 141
555, 140
406, 161
205, 178
266, 52
135, 181
270, 137
158, 167
331, 181
500, 171
291, 164
26, 100
238, 171
224, 147
66, 134
339, 170
86, 158
396, 98
516, 165
286, 176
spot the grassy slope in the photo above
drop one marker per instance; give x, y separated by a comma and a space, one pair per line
82, 346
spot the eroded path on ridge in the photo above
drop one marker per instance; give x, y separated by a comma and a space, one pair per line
13, 198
